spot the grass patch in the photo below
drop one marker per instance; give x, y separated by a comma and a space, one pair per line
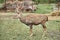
44, 8
15, 30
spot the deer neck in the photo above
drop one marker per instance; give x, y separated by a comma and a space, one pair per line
20, 16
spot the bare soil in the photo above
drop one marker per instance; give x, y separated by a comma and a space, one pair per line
11, 15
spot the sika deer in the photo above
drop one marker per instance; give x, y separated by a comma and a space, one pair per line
32, 19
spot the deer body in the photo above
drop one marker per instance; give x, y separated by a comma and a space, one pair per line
33, 19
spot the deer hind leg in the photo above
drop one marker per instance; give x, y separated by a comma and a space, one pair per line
44, 27
31, 33
45, 30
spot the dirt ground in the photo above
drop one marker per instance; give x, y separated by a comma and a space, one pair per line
11, 15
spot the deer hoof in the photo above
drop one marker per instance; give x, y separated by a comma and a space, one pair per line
31, 35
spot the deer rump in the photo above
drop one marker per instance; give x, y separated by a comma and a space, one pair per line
34, 19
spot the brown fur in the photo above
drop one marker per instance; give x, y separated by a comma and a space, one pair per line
34, 19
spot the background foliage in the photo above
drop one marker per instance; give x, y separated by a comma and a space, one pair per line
45, 1
38, 1
1, 1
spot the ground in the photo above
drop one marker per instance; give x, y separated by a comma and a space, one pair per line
11, 15
15, 30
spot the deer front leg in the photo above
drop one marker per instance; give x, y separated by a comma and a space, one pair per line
31, 33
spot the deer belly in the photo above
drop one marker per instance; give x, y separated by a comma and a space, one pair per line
33, 21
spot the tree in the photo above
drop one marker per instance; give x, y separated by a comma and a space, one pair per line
1, 1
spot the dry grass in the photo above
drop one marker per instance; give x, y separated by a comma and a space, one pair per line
55, 13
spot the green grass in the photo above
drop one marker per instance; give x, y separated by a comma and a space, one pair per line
15, 30
44, 8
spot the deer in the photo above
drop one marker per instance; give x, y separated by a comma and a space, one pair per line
32, 19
